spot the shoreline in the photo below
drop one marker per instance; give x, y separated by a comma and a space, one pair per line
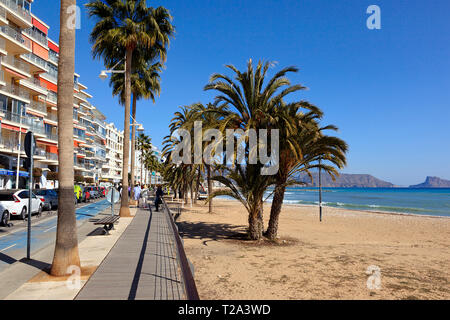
353, 210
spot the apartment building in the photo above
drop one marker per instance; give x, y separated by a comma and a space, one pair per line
28, 101
112, 169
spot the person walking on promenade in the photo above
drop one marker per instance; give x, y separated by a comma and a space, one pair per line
158, 199
137, 192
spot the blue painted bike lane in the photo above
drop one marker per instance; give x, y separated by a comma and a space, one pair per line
13, 246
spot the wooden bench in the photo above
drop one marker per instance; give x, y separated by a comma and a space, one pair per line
108, 223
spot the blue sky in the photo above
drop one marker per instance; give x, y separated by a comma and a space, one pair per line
387, 90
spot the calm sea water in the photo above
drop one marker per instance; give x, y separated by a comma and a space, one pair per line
435, 201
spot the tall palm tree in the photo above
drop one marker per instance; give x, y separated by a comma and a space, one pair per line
250, 108
125, 25
145, 83
302, 144
66, 246
144, 144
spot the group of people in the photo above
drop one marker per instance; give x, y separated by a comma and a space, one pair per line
139, 190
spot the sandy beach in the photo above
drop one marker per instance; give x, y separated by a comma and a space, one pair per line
317, 260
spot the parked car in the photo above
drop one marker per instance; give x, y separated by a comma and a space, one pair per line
93, 192
50, 198
15, 203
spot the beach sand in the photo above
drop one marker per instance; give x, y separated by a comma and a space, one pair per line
317, 260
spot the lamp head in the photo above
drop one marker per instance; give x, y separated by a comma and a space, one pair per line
103, 75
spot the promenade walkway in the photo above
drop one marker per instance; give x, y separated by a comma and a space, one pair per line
143, 264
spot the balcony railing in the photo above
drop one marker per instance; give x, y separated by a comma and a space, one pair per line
15, 35
2, 13
52, 97
37, 36
2, 43
17, 9
52, 116
52, 136
16, 90
35, 59
2, 76
16, 63
35, 83
53, 57
51, 156
38, 106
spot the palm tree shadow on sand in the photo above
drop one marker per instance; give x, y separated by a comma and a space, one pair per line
211, 231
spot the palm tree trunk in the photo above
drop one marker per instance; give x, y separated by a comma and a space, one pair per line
275, 210
255, 222
124, 207
66, 246
142, 168
208, 172
197, 185
133, 147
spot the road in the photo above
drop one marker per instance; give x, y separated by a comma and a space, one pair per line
13, 241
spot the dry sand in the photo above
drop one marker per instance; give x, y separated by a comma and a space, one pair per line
317, 260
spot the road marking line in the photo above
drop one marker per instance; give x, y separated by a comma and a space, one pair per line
8, 247
50, 229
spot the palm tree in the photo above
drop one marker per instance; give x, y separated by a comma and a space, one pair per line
302, 143
126, 25
66, 246
144, 145
251, 105
145, 83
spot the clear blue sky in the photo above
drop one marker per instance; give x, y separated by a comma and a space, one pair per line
387, 90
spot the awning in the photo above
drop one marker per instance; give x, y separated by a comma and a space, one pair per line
11, 127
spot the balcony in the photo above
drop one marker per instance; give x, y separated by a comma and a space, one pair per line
17, 13
15, 42
3, 20
37, 64
38, 37
51, 156
35, 86
52, 97
16, 65
16, 92
53, 58
38, 106
52, 117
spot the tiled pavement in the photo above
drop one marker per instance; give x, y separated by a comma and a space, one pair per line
143, 264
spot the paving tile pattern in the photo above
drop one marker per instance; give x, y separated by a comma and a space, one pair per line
143, 264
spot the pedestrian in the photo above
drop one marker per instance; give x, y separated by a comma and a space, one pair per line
158, 199
137, 192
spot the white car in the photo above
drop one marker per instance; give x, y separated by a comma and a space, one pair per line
15, 203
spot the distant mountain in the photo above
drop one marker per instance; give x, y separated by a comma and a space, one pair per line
433, 182
346, 180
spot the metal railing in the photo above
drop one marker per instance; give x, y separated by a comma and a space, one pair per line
185, 265
52, 97
51, 156
17, 9
53, 57
38, 106
35, 59
37, 36
2, 43
17, 36
16, 63
16, 90
2, 13
52, 116
35, 83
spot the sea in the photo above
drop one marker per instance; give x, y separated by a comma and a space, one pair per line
423, 201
